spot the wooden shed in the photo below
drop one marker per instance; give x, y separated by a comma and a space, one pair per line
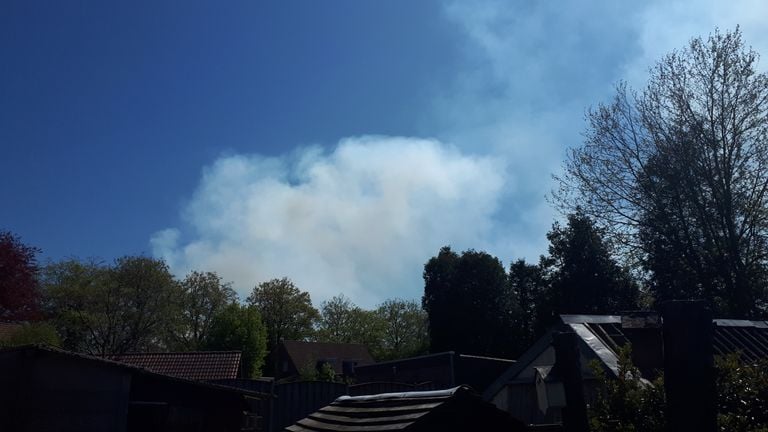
48, 389
452, 410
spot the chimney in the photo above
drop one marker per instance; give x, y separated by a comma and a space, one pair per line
643, 329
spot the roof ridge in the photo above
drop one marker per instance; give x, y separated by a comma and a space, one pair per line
428, 394
324, 343
177, 352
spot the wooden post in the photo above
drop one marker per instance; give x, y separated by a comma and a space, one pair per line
568, 366
689, 374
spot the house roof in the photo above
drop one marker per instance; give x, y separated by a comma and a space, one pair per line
304, 354
749, 338
7, 329
399, 411
600, 337
193, 365
46, 349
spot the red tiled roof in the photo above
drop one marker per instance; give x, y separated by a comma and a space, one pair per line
194, 365
309, 353
47, 349
7, 329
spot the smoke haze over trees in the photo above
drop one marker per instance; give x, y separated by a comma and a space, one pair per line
665, 199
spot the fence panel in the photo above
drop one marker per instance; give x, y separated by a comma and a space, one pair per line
296, 400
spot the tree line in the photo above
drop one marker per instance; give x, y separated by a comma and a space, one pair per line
667, 198
135, 304
477, 306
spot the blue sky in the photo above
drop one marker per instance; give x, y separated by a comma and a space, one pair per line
337, 143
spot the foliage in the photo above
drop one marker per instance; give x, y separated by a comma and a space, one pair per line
678, 174
33, 333
404, 329
742, 395
326, 373
528, 286
395, 329
203, 295
286, 311
238, 327
313, 372
342, 321
439, 301
467, 303
98, 309
627, 403
19, 293
584, 278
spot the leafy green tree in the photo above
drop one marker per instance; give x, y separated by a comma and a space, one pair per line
339, 321
678, 174
742, 394
238, 327
468, 303
203, 295
343, 321
33, 333
19, 291
370, 332
627, 403
313, 372
584, 278
101, 310
404, 329
287, 312
74, 293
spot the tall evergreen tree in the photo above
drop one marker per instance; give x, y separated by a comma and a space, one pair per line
468, 303
584, 278
528, 287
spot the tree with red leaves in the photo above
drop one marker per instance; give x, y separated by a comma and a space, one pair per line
19, 292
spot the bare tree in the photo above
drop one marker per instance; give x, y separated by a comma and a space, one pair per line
677, 174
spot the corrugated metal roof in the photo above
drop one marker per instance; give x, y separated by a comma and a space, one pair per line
194, 365
604, 352
594, 319
459, 409
382, 412
750, 338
